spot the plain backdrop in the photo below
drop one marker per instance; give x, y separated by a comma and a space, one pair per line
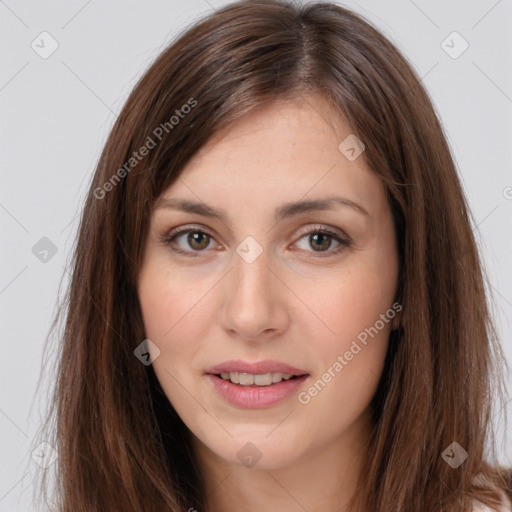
56, 113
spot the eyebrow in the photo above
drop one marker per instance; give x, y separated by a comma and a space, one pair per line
285, 211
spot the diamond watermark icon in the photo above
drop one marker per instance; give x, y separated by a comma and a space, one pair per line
454, 45
44, 455
351, 147
44, 45
147, 352
454, 455
44, 250
249, 249
249, 454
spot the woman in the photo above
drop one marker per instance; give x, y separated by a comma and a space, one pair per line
276, 298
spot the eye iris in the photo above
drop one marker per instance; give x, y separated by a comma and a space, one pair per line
326, 239
194, 239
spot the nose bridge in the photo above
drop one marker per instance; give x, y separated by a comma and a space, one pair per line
251, 273
251, 304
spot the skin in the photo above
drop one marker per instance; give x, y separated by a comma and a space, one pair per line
292, 304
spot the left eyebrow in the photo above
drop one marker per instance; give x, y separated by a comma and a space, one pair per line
298, 207
283, 212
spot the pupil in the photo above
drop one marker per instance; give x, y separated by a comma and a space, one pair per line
195, 240
326, 241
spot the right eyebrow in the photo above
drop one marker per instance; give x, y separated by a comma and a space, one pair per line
285, 211
191, 207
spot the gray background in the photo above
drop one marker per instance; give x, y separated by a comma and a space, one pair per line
56, 113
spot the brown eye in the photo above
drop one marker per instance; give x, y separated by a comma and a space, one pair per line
320, 241
189, 242
198, 240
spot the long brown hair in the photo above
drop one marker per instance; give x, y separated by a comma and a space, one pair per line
121, 445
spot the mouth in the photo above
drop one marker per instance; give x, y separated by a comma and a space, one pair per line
255, 385
254, 391
256, 380
260, 373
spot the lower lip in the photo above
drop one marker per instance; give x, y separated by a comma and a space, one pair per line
256, 397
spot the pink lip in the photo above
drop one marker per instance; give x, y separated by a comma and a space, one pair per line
255, 397
257, 368
259, 397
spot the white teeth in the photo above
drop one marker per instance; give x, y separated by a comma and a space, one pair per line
263, 380
277, 377
246, 379
249, 379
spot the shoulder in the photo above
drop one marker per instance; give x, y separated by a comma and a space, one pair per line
506, 507
506, 502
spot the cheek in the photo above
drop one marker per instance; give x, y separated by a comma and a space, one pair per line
350, 329
168, 298
174, 315
349, 380
350, 361
345, 304
172, 321
352, 353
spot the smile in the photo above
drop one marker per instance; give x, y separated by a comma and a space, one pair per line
256, 396
262, 379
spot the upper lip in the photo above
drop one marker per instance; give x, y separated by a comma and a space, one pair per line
256, 368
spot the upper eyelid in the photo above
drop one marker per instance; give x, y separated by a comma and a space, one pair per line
304, 231
184, 229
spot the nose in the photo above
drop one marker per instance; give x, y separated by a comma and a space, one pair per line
254, 308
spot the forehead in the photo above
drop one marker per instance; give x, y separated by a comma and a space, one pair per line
282, 151
293, 124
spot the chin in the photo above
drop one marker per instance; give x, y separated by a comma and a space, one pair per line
260, 453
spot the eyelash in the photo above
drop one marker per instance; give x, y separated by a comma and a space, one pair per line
169, 238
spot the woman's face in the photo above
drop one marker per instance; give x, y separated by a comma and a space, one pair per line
256, 281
